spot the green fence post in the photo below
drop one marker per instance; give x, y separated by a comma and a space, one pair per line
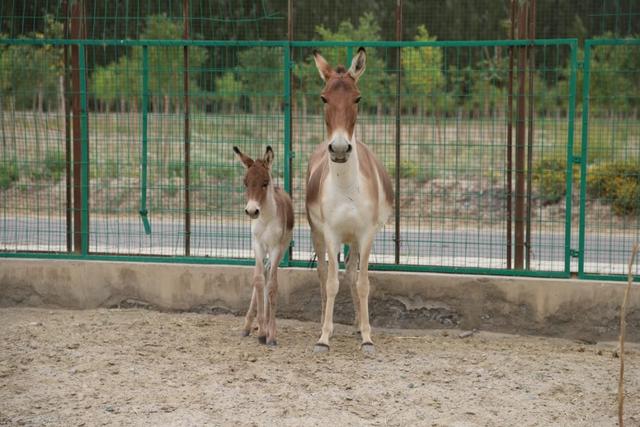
288, 155
84, 167
143, 155
583, 154
570, 158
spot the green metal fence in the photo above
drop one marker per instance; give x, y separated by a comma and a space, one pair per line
157, 180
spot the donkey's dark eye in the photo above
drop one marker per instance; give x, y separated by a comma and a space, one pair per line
265, 184
323, 99
358, 99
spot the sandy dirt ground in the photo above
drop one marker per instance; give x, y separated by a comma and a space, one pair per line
142, 367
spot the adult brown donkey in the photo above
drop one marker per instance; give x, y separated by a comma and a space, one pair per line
349, 197
271, 213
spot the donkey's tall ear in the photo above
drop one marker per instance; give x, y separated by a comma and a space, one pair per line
246, 160
323, 66
268, 157
358, 64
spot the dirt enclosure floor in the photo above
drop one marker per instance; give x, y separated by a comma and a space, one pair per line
143, 367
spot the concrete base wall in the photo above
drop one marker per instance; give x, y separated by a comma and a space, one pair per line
585, 310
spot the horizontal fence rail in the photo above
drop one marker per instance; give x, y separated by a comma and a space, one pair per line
454, 171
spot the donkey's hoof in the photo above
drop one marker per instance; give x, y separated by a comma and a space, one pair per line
262, 340
272, 343
368, 348
245, 333
320, 348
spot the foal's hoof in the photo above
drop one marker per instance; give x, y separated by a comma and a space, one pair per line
272, 343
320, 348
262, 340
368, 348
245, 333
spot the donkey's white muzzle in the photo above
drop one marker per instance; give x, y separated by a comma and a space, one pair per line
340, 149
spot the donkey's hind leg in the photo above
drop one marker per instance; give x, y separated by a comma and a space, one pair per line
251, 315
320, 248
352, 261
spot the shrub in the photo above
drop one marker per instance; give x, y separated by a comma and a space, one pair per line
549, 178
617, 183
408, 169
8, 175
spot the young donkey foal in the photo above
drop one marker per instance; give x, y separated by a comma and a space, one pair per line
271, 213
349, 197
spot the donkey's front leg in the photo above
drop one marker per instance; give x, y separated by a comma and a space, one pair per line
331, 288
258, 288
272, 293
363, 294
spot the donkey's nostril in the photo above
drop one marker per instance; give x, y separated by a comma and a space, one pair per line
246, 211
349, 148
331, 148
257, 212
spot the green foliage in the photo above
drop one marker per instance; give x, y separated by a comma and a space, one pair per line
8, 175
617, 183
549, 179
122, 79
175, 169
408, 169
228, 90
614, 80
29, 74
422, 66
374, 85
50, 169
261, 75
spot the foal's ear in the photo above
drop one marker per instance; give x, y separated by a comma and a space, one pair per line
323, 66
246, 160
268, 157
358, 64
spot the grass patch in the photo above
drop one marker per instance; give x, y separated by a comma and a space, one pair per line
51, 168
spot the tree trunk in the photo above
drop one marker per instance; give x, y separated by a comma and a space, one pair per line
4, 138
123, 105
40, 100
61, 93
166, 104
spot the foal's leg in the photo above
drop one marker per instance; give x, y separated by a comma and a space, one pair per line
331, 290
251, 314
320, 248
350, 276
363, 294
258, 288
272, 291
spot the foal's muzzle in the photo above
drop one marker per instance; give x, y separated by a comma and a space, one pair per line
253, 213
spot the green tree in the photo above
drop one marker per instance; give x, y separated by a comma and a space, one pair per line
261, 74
422, 68
228, 91
375, 84
166, 65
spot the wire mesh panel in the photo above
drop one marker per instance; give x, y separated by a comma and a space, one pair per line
611, 154
145, 99
33, 208
454, 167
